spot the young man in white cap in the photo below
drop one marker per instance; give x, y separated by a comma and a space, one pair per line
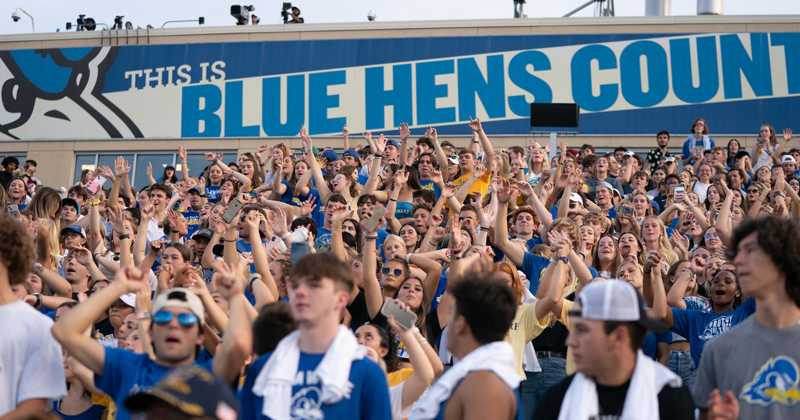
176, 330
483, 384
614, 379
751, 371
319, 371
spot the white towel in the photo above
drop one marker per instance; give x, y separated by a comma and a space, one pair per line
530, 363
497, 357
641, 401
274, 382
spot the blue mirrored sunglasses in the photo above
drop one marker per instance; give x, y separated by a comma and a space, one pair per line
186, 320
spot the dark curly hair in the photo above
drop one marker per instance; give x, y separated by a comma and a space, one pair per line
16, 248
780, 239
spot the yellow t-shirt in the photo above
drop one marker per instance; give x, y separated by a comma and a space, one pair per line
525, 328
398, 376
564, 319
481, 184
106, 401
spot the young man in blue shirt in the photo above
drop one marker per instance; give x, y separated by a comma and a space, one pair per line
307, 378
177, 332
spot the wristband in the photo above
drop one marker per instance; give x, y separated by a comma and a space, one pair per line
143, 315
124, 236
392, 199
175, 231
422, 341
215, 161
483, 228
285, 235
38, 303
229, 240
203, 195
94, 203
408, 258
454, 256
96, 256
378, 155
553, 200
370, 236
255, 277
555, 260
414, 330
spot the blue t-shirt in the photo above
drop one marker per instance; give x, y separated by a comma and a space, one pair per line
95, 412
322, 242
124, 371
192, 220
699, 327
368, 399
429, 185
318, 214
288, 196
212, 193
650, 344
533, 266
403, 210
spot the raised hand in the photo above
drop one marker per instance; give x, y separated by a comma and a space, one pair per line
380, 144
787, 134
404, 131
115, 219
455, 234
487, 216
148, 212
436, 219
308, 206
157, 246
121, 167
436, 177
83, 256
400, 177
143, 302
431, 134
345, 131
279, 222
149, 169
525, 188
132, 277
172, 217
339, 212
475, 125
181, 152
503, 191
478, 170
449, 190
226, 279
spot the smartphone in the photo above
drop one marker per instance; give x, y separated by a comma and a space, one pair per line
233, 210
371, 223
680, 189
96, 184
253, 194
402, 317
626, 211
13, 208
300, 250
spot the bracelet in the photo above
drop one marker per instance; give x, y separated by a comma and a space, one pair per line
392, 199
38, 303
229, 240
433, 243
124, 236
215, 161
38, 267
203, 195
175, 231
255, 277
422, 341
552, 200
455, 256
408, 258
94, 203
370, 236
414, 330
378, 155
285, 235
483, 228
143, 315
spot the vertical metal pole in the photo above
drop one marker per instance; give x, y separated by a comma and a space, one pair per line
553, 145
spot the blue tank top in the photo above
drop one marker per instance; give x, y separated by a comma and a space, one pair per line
403, 210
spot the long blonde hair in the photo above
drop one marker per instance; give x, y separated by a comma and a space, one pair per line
54, 231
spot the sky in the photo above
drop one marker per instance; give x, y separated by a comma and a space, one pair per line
50, 15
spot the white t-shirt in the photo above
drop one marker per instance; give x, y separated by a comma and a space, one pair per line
153, 231
31, 365
396, 402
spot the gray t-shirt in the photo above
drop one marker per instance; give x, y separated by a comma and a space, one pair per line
760, 366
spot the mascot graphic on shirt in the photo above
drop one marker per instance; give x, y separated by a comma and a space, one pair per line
776, 382
66, 87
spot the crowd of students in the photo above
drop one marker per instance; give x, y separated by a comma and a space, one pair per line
427, 281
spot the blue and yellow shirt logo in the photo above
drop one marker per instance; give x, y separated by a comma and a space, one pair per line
775, 383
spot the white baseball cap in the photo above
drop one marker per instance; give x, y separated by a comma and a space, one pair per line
181, 298
575, 197
788, 158
615, 300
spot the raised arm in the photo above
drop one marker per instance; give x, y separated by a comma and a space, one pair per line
184, 163
372, 287
513, 252
787, 137
140, 244
551, 286
339, 212
544, 215
258, 252
316, 171
477, 172
404, 133
678, 289
423, 375
379, 146
723, 222
217, 160
486, 145
237, 341
69, 330
441, 157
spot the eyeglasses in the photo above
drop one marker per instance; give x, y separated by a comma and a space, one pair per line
186, 320
395, 272
753, 191
708, 236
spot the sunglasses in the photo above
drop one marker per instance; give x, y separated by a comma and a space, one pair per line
711, 235
186, 320
752, 191
395, 272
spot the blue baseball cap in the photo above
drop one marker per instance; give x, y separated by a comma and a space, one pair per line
391, 142
351, 153
73, 228
330, 155
195, 189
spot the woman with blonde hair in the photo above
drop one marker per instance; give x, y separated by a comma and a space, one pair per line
765, 147
654, 236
